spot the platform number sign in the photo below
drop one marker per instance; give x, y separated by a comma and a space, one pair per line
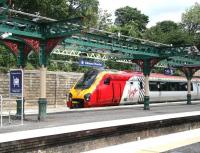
16, 82
168, 71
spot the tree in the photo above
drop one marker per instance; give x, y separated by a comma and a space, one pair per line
168, 32
61, 9
50, 8
131, 21
191, 23
104, 20
191, 19
86, 8
7, 59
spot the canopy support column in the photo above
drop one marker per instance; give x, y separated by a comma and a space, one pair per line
189, 71
42, 102
189, 91
146, 65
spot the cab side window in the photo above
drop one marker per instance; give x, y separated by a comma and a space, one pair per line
107, 81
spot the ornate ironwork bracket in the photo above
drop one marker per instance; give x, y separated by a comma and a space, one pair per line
12, 46
188, 70
20, 51
33, 43
147, 64
52, 43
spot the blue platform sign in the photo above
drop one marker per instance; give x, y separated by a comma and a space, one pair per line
84, 62
16, 82
168, 71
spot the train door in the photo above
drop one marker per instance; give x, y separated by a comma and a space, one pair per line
116, 92
131, 92
105, 92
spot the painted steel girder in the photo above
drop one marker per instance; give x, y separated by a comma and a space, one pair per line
29, 28
122, 39
60, 29
178, 51
118, 42
17, 27
112, 47
80, 52
182, 60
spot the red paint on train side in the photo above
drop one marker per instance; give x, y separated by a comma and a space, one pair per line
110, 93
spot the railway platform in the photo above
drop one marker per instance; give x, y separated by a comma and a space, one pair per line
96, 127
181, 142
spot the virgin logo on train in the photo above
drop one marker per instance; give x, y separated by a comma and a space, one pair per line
131, 93
99, 88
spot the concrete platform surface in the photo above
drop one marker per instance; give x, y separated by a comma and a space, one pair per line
155, 145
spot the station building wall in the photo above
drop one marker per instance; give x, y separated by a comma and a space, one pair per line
58, 85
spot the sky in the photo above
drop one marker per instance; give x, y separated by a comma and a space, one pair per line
157, 10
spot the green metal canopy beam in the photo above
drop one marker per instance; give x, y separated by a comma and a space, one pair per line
130, 48
39, 30
115, 47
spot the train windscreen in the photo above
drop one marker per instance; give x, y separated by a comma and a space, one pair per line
87, 80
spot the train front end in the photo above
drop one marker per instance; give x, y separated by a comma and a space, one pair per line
82, 93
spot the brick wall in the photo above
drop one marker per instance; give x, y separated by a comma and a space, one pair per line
58, 84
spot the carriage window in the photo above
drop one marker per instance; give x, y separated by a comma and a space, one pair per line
153, 86
182, 86
168, 86
107, 81
164, 86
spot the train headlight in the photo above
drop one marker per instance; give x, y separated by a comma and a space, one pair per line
87, 97
70, 97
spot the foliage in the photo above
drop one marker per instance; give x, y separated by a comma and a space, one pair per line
118, 66
7, 59
191, 23
131, 21
191, 19
43, 7
104, 20
168, 32
61, 9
